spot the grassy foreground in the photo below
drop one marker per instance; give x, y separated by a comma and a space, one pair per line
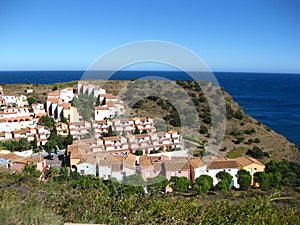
24, 200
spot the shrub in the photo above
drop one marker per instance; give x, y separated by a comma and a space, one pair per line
244, 179
203, 184
54, 88
257, 153
222, 186
263, 179
179, 184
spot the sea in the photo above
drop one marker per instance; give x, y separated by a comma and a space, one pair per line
271, 98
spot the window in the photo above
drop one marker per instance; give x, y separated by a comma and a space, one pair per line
147, 174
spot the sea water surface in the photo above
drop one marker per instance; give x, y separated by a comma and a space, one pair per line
271, 98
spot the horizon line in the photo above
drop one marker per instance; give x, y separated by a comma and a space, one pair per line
147, 70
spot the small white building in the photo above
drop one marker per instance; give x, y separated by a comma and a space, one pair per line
230, 166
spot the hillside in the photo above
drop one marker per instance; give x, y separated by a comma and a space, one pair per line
242, 131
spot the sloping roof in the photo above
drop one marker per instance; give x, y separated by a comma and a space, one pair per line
229, 164
113, 138
179, 158
11, 157
196, 162
30, 160
246, 161
92, 160
129, 161
145, 163
176, 165
172, 131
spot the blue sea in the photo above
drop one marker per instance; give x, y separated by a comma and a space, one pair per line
271, 98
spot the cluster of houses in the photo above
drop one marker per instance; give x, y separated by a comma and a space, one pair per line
18, 121
17, 160
124, 153
85, 157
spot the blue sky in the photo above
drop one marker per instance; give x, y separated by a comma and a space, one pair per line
228, 35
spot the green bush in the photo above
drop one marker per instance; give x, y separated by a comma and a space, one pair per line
203, 184
179, 184
244, 179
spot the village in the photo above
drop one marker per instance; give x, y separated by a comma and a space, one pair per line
106, 145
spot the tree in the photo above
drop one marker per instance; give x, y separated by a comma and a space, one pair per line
203, 184
47, 121
134, 184
54, 88
203, 129
240, 139
144, 132
275, 180
225, 177
50, 146
51, 172
68, 140
31, 100
222, 186
222, 175
23, 144
63, 174
136, 131
138, 152
64, 120
157, 184
238, 115
263, 179
30, 170
257, 153
97, 101
244, 179
179, 184
110, 132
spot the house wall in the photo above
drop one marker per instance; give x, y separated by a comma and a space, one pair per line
232, 171
88, 169
253, 168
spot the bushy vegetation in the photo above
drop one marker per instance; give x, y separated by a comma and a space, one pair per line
47, 121
244, 179
55, 141
86, 199
257, 153
13, 145
203, 184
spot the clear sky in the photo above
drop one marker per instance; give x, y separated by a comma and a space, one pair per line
229, 35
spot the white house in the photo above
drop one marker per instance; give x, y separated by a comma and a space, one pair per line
230, 166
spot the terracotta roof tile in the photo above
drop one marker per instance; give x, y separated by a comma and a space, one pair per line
175, 165
229, 164
246, 161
